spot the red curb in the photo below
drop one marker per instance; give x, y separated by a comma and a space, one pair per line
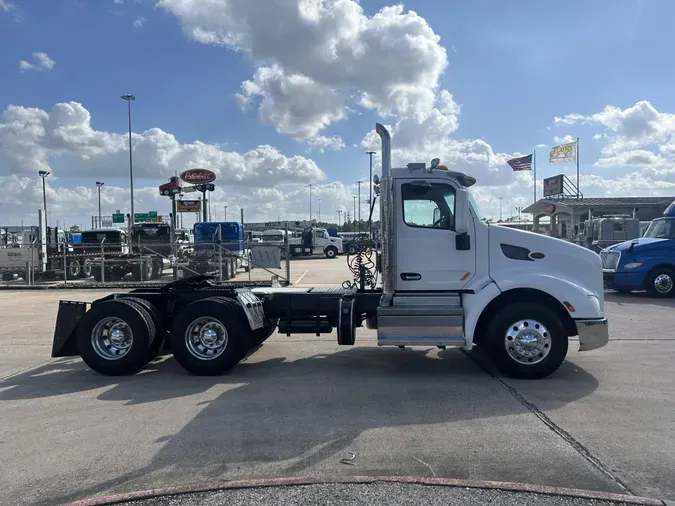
287, 482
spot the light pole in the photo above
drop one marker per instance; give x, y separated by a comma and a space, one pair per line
43, 174
310, 203
354, 216
98, 186
359, 183
180, 196
500, 208
319, 201
370, 197
129, 98
225, 207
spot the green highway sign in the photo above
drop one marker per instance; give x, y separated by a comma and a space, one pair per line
118, 218
143, 217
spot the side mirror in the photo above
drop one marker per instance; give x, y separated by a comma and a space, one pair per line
376, 179
462, 214
437, 215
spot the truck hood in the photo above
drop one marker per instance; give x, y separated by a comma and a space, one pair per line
641, 244
547, 255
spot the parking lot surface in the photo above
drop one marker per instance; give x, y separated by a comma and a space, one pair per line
299, 405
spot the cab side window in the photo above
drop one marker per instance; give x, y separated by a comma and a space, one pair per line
428, 205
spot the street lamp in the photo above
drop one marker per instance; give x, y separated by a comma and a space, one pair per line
354, 216
98, 186
225, 207
500, 208
370, 198
129, 98
319, 201
310, 204
359, 183
43, 174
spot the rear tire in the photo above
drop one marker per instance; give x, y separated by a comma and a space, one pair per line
157, 319
142, 271
74, 269
113, 337
526, 341
209, 336
661, 283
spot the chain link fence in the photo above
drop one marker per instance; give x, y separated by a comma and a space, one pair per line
144, 263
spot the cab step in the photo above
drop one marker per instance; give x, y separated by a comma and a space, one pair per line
429, 319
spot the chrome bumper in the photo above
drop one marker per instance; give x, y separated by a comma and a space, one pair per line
592, 334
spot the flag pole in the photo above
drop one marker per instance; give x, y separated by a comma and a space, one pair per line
577, 167
534, 166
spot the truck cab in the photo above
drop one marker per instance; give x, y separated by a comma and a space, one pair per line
316, 241
646, 263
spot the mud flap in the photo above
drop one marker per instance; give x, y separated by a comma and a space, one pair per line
69, 315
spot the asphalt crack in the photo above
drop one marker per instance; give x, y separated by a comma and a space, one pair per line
562, 433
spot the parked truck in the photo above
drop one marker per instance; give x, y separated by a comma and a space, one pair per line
646, 263
448, 279
219, 244
109, 254
315, 241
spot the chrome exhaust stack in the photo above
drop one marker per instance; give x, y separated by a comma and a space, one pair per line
386, 217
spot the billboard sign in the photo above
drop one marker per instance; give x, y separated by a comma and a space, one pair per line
553, 185
188, 206
198, 176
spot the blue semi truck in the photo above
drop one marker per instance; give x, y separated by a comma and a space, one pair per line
216, 242
647, 263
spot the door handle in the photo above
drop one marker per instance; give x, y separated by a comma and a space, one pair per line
411, 276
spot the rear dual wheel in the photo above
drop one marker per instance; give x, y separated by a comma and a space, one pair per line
210, 336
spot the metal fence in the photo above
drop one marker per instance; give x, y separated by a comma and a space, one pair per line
144, 263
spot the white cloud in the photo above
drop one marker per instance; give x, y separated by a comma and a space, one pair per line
42, 62
541, 146
6, 6
296, 105
322, 143
119, 2
139, 22
31, 138
563, 140
390, 62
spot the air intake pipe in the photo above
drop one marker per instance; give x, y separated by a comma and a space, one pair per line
386, 217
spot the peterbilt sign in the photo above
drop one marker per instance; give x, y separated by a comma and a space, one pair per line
196, 176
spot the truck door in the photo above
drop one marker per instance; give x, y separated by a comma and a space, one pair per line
427, 254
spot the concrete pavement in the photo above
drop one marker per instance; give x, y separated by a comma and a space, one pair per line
299, 405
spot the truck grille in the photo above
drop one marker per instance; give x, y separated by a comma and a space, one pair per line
610, 259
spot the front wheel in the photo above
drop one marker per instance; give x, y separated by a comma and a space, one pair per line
661, 283
526, 341
331, 252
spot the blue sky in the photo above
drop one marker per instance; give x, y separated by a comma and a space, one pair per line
511, 66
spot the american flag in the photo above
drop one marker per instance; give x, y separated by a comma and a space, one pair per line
522, 163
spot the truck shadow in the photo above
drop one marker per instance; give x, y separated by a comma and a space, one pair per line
283, 417
639, 298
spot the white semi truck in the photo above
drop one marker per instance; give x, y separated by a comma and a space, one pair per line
448, 279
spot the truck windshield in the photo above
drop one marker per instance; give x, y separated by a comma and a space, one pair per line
661, 229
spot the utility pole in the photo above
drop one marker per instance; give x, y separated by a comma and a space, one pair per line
359, 183
354, 216
319, 201
98, 186
370, 197
128, 97
43, 174
225, 207
310, 203
500, 208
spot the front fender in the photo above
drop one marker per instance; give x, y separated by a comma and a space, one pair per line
563, 290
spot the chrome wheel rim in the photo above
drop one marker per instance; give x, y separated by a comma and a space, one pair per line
527, 342
112, 338
86, 268
206, 338
663, 283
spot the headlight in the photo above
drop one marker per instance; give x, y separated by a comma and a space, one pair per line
633, 265
595, 302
